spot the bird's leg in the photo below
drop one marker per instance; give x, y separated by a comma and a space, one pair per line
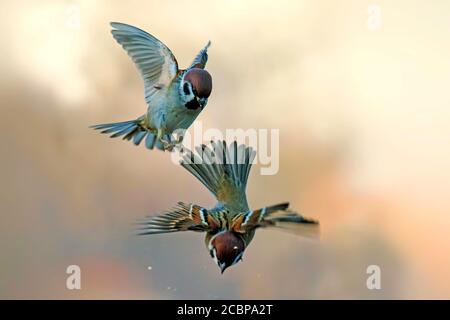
169, 144
159, 134
176, 143
166, 143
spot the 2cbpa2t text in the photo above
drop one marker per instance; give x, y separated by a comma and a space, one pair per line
231, 309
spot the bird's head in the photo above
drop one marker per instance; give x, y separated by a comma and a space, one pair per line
226, 248
196, 87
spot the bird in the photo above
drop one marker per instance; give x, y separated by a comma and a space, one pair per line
174, 97
230, 225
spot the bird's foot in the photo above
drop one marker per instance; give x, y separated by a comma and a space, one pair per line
167, 141
167, 145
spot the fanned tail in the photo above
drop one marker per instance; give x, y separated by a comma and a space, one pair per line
222, 169
133, 130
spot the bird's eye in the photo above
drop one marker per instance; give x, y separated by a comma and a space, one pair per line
186, 88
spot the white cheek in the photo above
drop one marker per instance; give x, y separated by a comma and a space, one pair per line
186, 97
189, 97
215, 257
210, 246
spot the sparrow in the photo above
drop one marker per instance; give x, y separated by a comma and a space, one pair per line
174, 97
230, 225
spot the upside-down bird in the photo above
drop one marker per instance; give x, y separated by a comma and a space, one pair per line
174, 97
230, 225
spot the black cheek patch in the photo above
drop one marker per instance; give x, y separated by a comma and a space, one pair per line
186, 89
192, 105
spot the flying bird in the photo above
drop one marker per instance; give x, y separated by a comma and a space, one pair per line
174, 97
230, 225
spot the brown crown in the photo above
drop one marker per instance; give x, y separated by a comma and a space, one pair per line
228, 246
201, 82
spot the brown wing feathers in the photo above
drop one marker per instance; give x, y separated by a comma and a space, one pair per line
278, 216
183, 217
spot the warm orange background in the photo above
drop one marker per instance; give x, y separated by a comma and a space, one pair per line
364, 124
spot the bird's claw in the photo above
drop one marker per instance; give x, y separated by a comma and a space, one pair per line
170, 145
167, 145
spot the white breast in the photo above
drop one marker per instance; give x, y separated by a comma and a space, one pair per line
167, 110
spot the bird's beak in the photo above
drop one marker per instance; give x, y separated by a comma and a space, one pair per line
202, 102
223, 267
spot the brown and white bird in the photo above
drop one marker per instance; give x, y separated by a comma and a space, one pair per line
231, 224
174, 97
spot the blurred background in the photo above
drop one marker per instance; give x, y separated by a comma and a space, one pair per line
358, 89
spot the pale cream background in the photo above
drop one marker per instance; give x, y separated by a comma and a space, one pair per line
364, 122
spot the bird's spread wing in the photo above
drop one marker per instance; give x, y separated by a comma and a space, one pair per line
156, 63
201, 58
184, 217
224, 170
277, 216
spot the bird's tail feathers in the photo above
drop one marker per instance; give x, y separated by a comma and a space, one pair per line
133, 130
220, 167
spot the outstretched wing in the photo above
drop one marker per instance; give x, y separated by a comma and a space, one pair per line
184, 217
156, 63
277, 216
201, 58
223, 170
